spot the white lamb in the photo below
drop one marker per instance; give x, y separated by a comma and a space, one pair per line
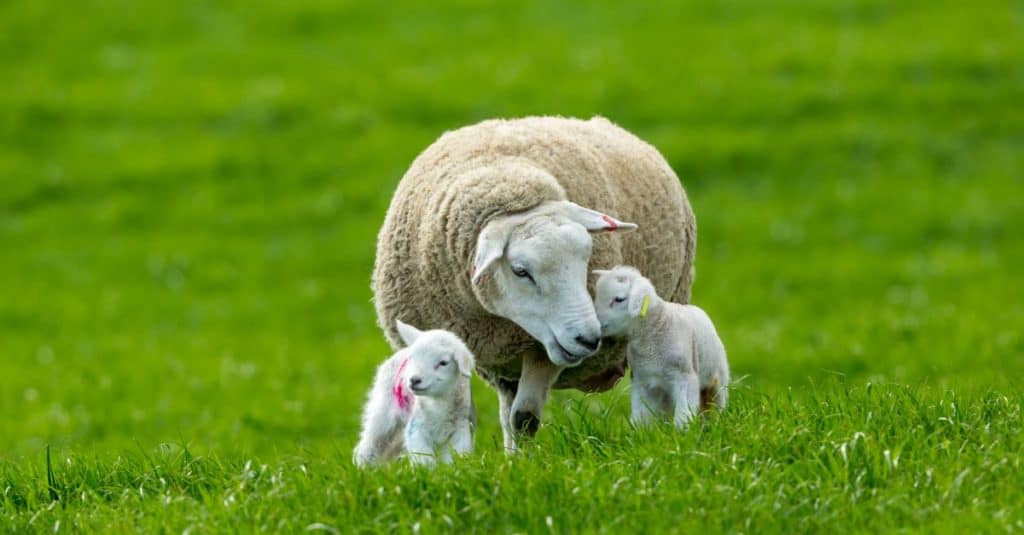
420, 401
677, 359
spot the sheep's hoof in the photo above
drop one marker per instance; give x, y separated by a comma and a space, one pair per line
526, 422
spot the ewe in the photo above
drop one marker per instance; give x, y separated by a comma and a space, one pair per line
420, 399
676, 359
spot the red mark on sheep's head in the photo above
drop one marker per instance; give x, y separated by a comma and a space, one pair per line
612, 225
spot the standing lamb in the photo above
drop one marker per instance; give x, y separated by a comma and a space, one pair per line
420, 401
488, 236
676, 358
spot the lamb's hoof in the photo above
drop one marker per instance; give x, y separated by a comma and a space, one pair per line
526, 422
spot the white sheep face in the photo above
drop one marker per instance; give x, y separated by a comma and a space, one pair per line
531, 268
436, 360
619, 299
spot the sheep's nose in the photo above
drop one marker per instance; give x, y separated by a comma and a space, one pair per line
589, 343
415, 381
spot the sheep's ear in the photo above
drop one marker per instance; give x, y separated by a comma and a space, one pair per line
490, 246
640, 296
408, 333
601, 272
464, 359
593, 220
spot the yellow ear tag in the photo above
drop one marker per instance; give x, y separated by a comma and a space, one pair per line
643, 307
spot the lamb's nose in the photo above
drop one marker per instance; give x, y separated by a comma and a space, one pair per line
415, 381
591, 343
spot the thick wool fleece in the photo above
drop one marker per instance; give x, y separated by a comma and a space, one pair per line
499, 167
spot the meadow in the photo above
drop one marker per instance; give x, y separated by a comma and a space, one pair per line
189, 199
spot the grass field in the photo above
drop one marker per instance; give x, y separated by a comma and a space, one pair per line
190, 193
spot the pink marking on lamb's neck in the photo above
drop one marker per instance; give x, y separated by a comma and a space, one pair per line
402, 398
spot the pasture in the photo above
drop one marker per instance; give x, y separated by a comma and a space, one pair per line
189, 200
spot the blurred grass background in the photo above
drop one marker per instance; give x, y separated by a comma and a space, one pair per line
190, 193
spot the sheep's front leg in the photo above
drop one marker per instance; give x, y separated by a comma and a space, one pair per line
506, 395
686, 396
535, 382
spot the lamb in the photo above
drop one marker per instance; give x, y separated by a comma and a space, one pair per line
420, 401
677, 360
489, 235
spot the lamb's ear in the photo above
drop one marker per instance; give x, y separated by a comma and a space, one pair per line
408, 333
593, 220
640, 296
465, 361
490, 246
601, 272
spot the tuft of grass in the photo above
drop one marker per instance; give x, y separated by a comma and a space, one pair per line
51, 480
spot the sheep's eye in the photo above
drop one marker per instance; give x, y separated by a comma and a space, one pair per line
618, 300
521, 272
442, 363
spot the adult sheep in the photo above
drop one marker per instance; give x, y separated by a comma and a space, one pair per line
489, 235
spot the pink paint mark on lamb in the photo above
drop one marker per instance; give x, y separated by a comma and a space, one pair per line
402, 398
612, 225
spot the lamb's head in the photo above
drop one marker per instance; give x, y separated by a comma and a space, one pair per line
621, 297
436, 361
531, 268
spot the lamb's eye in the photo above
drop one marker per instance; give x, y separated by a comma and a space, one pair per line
442, 363
618, 300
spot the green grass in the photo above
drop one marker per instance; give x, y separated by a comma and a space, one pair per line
189, 197
875, 458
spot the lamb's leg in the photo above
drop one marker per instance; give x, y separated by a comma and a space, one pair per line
419, 448
506, 395
714, 394
535, 382
379, 442
686, 396
444, 455
722, 395
381, 436
716, 390
641, 404
462, 440
723, 378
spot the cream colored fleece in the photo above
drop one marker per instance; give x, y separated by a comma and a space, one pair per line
471, 175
